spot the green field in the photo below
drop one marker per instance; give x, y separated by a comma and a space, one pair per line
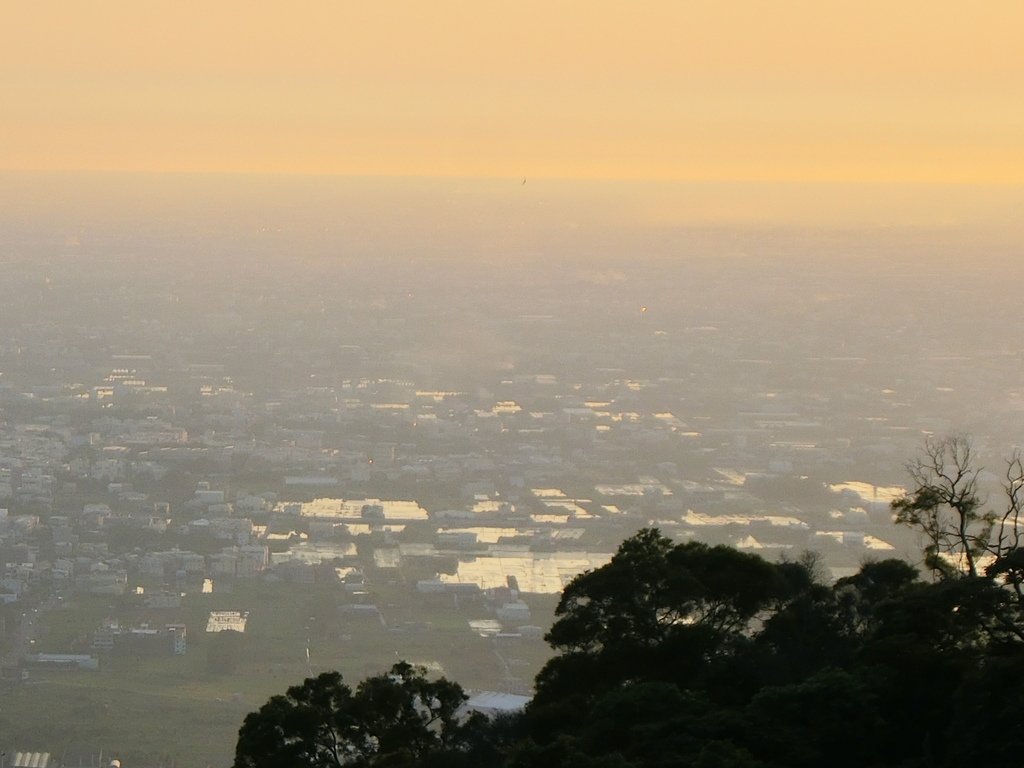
186, 710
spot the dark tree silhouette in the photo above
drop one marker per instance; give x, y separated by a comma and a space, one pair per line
397, 719
659, 610
964, 540
696, 656
945, 506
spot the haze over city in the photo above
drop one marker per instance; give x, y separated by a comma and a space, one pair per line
343, 336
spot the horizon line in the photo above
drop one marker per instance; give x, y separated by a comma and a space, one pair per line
661, 181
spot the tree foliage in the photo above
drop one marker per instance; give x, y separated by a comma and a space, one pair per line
396, 719
685, 654
659, 611
690, 655
945, 506
963, 539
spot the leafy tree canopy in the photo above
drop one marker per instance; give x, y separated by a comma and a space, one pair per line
396, 719
689, 655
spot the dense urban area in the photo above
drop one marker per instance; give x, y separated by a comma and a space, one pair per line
221, 473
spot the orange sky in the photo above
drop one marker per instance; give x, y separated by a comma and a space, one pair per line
795, 90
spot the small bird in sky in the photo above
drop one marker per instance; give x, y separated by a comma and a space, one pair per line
524, 179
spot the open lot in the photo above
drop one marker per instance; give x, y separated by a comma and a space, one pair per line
130, 703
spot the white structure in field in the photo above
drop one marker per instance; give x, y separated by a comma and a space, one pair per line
222, 621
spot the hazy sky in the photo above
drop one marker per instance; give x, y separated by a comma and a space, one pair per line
794, 90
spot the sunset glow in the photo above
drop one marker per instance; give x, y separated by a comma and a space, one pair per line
670, 90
